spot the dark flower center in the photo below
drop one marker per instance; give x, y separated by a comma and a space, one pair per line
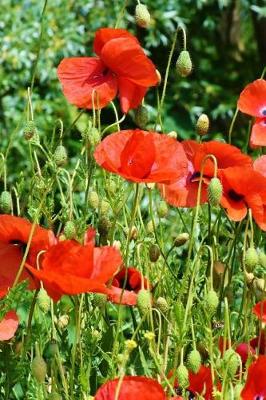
20, 244
235, 196
264, 111
194, 176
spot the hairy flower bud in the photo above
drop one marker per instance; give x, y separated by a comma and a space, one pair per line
154, 252
202, 125
62, 321
181, 239
184, 64
29, 130
162, 209
94, 136
43, 301
215, 192
144, 301
182, 376
142, 16
93, 200
60, 156
162, 305
39, 368
141, 116
211, 302
232, 362
70, 230
6, 202
251, 259
194, 361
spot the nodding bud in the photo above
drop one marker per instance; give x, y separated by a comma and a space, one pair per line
251, 259
62, 321
162, 209
60, 156
141, 116
6, 202
184, 64
70, 230
29, 130
182, 376
150, 227
162, 305
104, 207
194, 361
215, 192
142, 16
211, 302
172, 134
231, 362
181, 239
43, 301
154, 252
202, 124
133, 233
95, 136
39, 368
93, 199
159, 76
144, 301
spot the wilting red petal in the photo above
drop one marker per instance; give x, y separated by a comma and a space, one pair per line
132, 387
255, 384
260, 310
86, 80
252, 99
127, 59
260, 165
9, 325
169, 164
104, 35
258, 133
130, 94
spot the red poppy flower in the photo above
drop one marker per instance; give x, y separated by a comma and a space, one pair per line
245, 350
183, 192
199, 383
252, 101
132, 387
14, 236
142, 156
259, 343
260, 165
8, 326
255, 387
134, 282
260, 310
120, 66
72, 268
244, 188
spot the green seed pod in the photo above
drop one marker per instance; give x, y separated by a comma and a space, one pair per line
181, 239
231, 362
29, 130
104, 207
202, 125
154, 252
141, 116
142, 16
211, 302
162, 209
215, 192
93, 199
162, 305
194, 361
39, 369
104, 225
6, 202
184, 64
94, 136
251, 259
262, 259
144, 301
43, 301
70, 230
99, 300
60, 156
182, 376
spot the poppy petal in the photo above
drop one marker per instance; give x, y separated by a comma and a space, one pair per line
86, 80
252, 100
104, 35
258, 133
260, 310
260, 165
129, 297
130, 94
255, 384
107, 261
9, 325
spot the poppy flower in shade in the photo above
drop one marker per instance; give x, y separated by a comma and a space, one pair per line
134, 283
255, 387
132, 387
252, 101
8, 326
142, 156
120, 66
183, 192
260, 165
245, 350
259, 343
14, 236
260, 310
71, 268
244, 188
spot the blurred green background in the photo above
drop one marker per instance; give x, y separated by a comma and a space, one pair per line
226, 39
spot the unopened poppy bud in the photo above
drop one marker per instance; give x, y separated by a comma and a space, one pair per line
142, 16
259, 284
144, 301
39, 368
203, 124
162, 209
249, 277
99, 300
93, 199
54, 396
62, 321
232, 362
133, 234
162, 305
215, 192
211, 302
70, 230
182, 376
194, 361
94, 136
29, 130
172, 134
154, 252
149, 227
181, 239
159, 76
130, 345
262, 259
184, 64
104, 225
104, 207
43, 301
52, 349
6, 202
251, 259
60, 156
141, 116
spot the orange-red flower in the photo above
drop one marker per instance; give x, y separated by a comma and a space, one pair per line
255, 387
260, 165
142, 156
120, 66
183, 192
14, 236
71, 268
244, 188
252, 101
8, 325
134, 282
200, 383
132, 387
260, 310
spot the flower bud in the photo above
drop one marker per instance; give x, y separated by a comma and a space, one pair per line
181, 239
202, 125
51, 349
141, 116
162, 305
154, 252
70, 230
6, 202
172, 134
194, 361
60, 156
142, 16
159, 76
39, 368
104, 225
144, 301
133, 234
184, 64
43, 301
232, 362
29, 130
104, 207
211, 302
162, 209
94, 136
62, 321
215, 192
182, 376
149, 227
251, 259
